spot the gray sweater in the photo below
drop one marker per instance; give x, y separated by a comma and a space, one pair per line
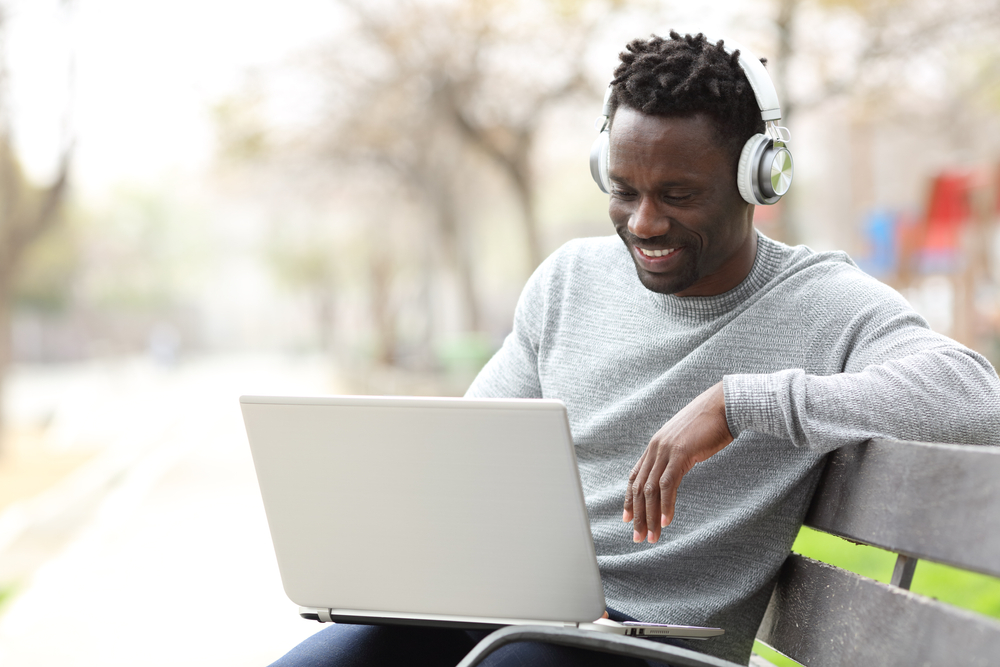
813, 353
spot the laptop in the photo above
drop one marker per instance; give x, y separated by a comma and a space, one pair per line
447, 512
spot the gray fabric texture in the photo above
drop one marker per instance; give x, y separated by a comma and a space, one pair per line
813, 353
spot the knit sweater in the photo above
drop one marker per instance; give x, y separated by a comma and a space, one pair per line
813, 354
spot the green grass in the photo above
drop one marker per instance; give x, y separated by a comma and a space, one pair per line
968, 590
6, 595
866, 561
773, 656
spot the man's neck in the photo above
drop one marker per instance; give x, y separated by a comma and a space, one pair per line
731, 274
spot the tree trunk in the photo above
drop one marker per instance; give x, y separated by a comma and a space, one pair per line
383, 314
460, 259
22, 220
425, 344
785, 24
525, 198
5, 351
325, 325
437, 181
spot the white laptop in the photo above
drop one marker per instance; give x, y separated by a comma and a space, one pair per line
430, 511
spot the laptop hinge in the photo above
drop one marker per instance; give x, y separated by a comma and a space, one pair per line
324, 616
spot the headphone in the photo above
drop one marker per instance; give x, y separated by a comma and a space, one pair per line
765, 169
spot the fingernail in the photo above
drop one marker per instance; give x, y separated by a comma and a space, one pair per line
652, 538
663, 521
625, 516
636, 537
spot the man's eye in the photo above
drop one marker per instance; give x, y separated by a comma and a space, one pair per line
618, 192
677, 197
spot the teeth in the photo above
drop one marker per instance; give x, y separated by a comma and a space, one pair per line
656, 253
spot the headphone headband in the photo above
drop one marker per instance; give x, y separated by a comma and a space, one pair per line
760, 81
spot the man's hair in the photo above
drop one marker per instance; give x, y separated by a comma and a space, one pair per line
684, 76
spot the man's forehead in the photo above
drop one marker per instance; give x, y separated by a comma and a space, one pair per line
629, 121
685, 138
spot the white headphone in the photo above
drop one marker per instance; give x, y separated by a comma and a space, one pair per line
765, 170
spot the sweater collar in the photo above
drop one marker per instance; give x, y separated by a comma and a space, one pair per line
765, 267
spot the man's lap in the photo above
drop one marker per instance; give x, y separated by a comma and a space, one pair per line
343, 645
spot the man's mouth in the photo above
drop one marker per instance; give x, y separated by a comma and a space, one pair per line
656, 253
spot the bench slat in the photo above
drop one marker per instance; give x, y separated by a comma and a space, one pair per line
822, 615
939, 502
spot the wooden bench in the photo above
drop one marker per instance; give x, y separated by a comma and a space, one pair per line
921, 501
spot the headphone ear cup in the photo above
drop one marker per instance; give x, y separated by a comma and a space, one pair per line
746, 170
600, 161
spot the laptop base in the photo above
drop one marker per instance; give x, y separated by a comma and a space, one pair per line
630, 628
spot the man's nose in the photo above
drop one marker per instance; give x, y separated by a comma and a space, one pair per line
647, 220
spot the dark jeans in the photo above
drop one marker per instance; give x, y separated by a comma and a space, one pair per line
342, 645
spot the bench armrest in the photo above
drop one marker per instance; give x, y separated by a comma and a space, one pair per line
594, 641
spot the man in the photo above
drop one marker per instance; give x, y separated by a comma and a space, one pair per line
725, 334
708, 370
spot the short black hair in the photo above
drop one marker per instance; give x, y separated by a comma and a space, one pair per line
683, 76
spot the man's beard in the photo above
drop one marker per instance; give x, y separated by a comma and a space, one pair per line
678, 280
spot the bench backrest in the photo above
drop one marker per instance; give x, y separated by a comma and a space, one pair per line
921, 501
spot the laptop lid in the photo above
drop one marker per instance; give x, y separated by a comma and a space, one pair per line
426, 507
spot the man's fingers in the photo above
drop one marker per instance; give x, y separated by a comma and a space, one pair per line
637, 467
695, 433
640, 525
628, 515
670, 480
638, 509
652, 492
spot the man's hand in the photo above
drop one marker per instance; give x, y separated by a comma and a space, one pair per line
692, 435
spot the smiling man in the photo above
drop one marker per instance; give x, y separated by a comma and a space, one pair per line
707, 370
688, 230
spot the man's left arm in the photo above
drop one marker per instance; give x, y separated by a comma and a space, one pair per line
898, 379
894, 377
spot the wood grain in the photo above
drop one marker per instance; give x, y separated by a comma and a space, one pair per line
821, 615
933, 501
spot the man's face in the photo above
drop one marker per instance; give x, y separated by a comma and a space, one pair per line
675, 204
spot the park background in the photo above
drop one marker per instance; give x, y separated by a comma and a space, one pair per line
205, 198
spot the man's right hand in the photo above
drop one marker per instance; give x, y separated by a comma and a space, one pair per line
698, 431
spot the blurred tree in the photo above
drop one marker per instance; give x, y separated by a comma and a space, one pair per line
240, 126
422, 86
875, 61
866, 51
311, 268
923, 68
27, 210
47, 271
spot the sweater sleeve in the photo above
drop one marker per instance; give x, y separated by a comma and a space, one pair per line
897, 379
513, 371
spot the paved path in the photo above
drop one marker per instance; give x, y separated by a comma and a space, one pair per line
157, 552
